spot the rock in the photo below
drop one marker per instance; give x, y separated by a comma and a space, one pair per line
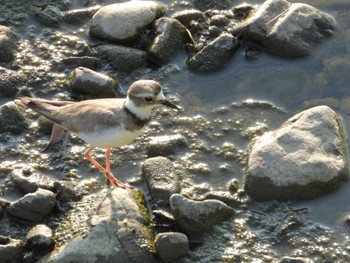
67, 192
12, 121
29, 181
10, 81
11, 250
120, 233
79, 16
295, 260
163, 219
286, 29
252, 53
171, 35
97, 85
122, 22
75, 62
186, 16
33, 207
124, 59
212, 4
171, 246
8, 43
50, 16
222, 196
165, 145
214, 56
161, 179
304, 158
39, 238
196, 217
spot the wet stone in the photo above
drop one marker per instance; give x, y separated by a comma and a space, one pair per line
165, 145
196, 217
10, 81
125, 59
29, 181
12, 121
252, 53
287, 29
295, 260
39, 238
75, 62
68, 192
305, 158
97, 85
163, 218
186, 16
171, 246
215, 55
122, 22
161, 179
223, 196
212, 4
170, 36
11, 250
79, 16
33, 207
50, 16
8, 43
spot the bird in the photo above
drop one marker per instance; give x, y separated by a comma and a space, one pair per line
104, 123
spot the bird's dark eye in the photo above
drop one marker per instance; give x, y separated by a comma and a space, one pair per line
148, 99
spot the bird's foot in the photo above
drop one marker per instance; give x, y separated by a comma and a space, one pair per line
111, 180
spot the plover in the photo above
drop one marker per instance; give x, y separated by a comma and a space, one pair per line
103, 123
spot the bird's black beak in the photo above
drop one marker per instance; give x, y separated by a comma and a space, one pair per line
169, 104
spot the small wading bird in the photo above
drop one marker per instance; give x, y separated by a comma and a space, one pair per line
103, 123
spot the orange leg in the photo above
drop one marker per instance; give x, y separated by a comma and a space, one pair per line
108, 176
108, 170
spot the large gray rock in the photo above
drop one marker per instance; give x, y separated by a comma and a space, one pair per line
215, 55
122, 22
97, 85
124, 59
287, 29
171, 246
33, 207
161, 179
119, 233
304, 158
196, 217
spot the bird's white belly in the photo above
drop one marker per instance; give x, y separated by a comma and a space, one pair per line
113, 137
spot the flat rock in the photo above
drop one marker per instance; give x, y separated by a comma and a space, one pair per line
122, 22
161, 179
304, 158
215, 55
33, 207
196, 217
49, 15
286, 29
186, 16
119, 233
97, 85
171, 246
124, 59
